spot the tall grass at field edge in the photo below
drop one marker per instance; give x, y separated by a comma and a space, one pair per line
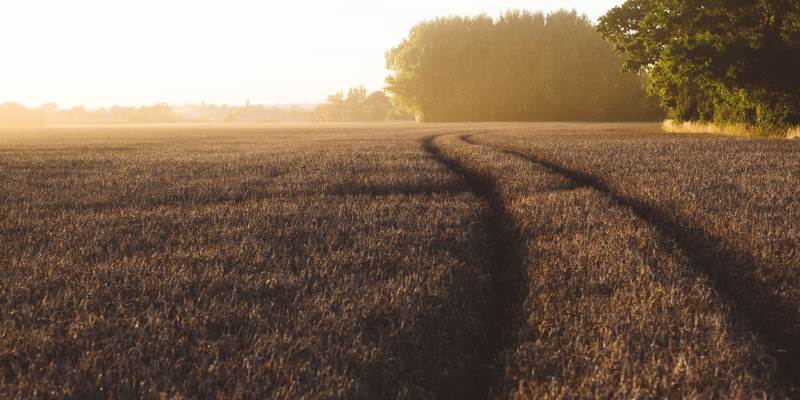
696, 127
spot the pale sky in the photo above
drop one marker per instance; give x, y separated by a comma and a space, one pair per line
135, 52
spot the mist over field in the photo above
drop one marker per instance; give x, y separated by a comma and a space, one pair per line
400, 200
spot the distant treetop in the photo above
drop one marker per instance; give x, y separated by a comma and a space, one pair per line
357, 106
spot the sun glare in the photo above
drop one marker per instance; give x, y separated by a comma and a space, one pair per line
98, 53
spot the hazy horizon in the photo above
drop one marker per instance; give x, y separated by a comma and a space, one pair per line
99, 53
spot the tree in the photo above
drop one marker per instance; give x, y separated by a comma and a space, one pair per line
523, 66
725, 61
378, 106
157, 113
333, 109
356, 106
15, 114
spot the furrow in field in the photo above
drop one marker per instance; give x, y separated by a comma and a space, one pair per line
610, 307
506, 274
753, 304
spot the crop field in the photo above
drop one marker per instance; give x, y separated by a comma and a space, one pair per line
461, 261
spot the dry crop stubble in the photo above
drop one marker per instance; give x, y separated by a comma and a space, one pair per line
732, 205
612, 308
388, 261
280, 263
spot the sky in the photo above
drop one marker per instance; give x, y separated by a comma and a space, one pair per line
99, 53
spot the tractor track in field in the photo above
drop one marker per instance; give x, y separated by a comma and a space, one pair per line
507, 276
708, 256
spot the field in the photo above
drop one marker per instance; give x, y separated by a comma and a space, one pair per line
398, 261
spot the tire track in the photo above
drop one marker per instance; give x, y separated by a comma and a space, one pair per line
506, 272
708, 256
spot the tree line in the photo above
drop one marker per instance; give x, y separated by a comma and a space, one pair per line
358, 106
15, 114
523, 66
721, 61
355, 106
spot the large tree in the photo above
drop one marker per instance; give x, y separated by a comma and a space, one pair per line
523, 66
726, 61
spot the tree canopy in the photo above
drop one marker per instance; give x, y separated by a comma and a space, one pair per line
523, 66
725, 61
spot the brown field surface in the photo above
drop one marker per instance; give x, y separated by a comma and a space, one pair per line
397, 261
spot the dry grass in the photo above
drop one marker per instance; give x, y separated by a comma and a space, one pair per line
693, 127
397, 261
705, 128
